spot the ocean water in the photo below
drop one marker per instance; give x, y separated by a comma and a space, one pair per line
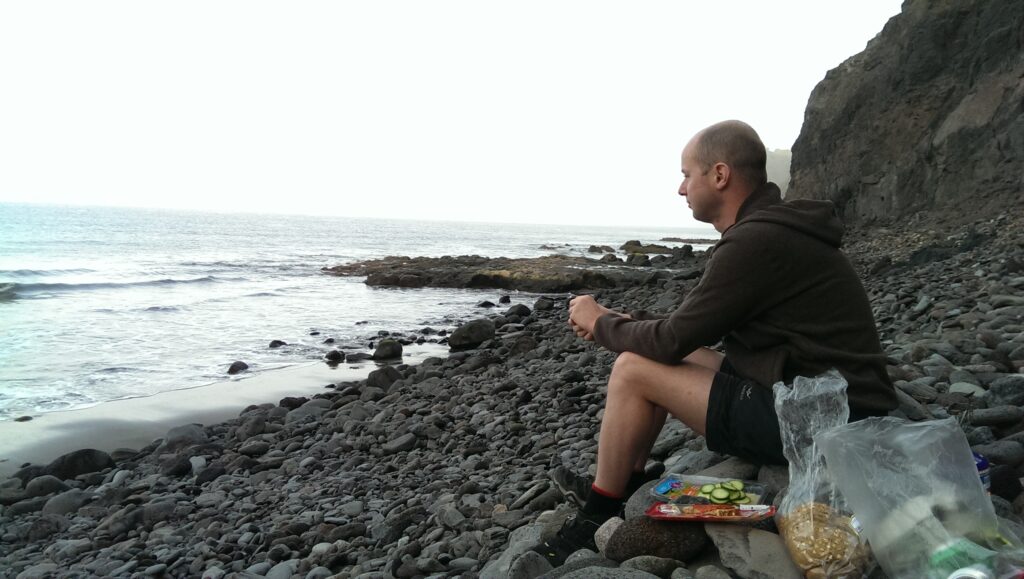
99, 304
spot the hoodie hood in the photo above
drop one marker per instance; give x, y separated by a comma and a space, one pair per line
817, 219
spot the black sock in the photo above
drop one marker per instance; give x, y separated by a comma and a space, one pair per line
636, 480
601, 504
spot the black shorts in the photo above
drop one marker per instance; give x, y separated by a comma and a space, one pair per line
741, 419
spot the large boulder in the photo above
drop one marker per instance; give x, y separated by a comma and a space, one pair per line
237, 367
927, 116
83, 461
646, 536
182, 436
471, 334
387, 349
383, 377
45, 485
67, 502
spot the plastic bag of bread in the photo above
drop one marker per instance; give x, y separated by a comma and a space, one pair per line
822, 537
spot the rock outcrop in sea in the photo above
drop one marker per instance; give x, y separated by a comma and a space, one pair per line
552, 273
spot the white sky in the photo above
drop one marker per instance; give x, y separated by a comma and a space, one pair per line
548, 112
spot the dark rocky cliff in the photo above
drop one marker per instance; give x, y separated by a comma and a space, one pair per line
929, 117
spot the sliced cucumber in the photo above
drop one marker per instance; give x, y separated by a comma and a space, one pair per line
720, 494
733, 485
719, 501
742, 500
707, 488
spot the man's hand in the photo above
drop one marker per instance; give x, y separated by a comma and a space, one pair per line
583, 315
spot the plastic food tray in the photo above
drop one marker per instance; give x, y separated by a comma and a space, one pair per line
684, 489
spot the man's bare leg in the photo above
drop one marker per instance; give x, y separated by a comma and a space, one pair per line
704, 357
640, 391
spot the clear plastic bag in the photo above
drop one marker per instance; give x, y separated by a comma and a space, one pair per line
915, 489
820, 534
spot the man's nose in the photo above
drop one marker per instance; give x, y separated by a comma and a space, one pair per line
682, 188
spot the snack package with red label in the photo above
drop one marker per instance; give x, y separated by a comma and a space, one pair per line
710, 513
681, 488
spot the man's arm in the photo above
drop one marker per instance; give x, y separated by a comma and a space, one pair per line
583, 314
731, 292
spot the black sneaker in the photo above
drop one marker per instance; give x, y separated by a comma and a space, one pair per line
572, 486
575, 488
576, 533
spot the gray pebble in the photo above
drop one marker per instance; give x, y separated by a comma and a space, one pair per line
967, 389
463, 564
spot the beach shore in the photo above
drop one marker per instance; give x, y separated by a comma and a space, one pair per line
135, 422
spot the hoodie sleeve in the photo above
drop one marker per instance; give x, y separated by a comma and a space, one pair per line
730, 293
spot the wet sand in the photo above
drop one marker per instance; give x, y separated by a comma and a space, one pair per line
135, 422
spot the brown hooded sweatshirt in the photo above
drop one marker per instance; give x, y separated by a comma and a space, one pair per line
782, 298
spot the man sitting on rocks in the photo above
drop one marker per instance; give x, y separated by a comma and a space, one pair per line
779, 295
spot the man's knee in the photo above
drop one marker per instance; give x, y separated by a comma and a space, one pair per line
634, 373
628, 366
631, 373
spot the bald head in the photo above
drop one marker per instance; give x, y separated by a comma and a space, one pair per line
736, 144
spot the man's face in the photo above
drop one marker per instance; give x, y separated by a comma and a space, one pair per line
701, 196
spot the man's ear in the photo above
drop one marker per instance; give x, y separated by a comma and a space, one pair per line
722, 174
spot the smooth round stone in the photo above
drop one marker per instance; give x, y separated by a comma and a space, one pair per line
321, 549
259, 568
319, 573
462, 564
39, 571
997, 416
653, 565
352, 508
711, 572
254, 448
124, 569
605, 532
213, 573
528, 565
119, 477
283, 570
44, 485
157, 569
966, 388
66, 502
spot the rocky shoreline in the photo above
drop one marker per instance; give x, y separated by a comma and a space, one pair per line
440, 469
552, 273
